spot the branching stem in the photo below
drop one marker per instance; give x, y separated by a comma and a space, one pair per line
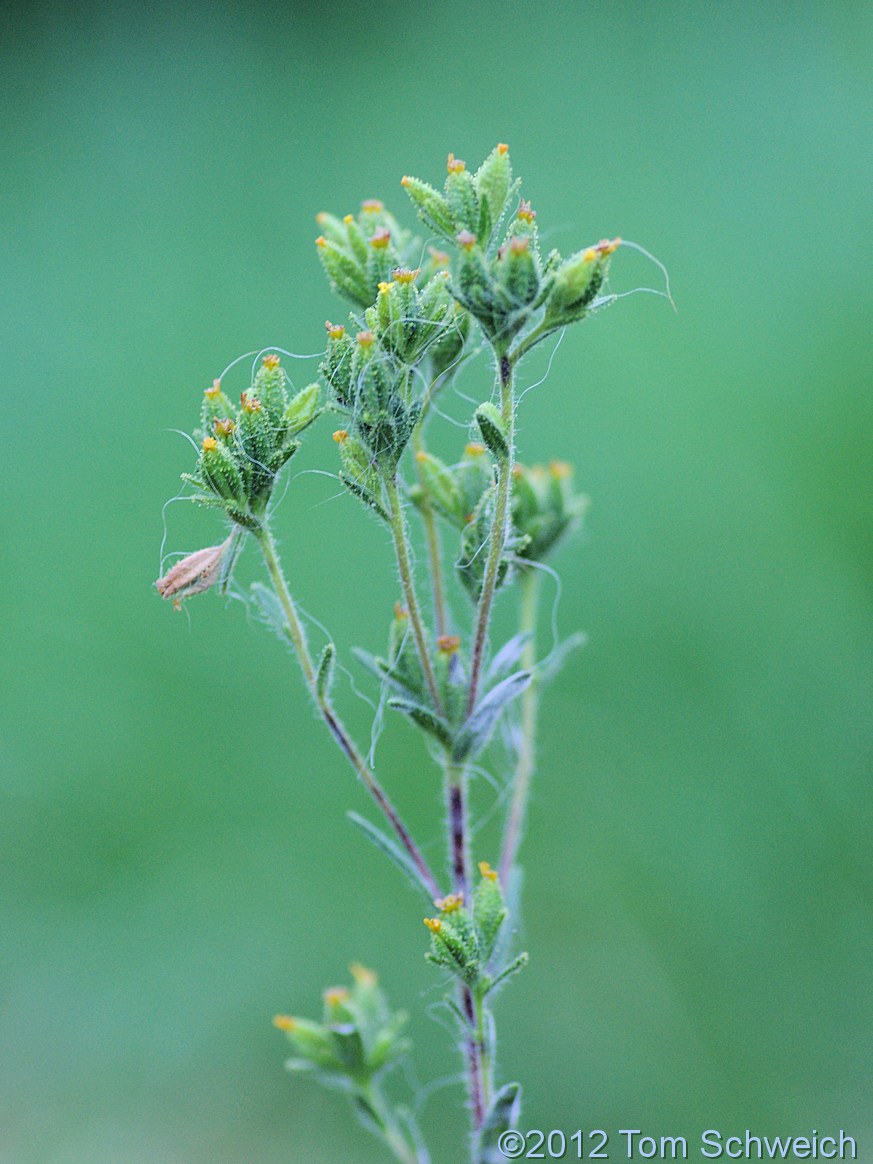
297, 637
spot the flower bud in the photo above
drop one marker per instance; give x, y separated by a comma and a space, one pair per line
269, 387
489, 909
357, 1039
439, 486
577, 281
461, 196
433, 209
336, 367
331, 228
492, 181
215, 406
545, 507
258, 444
454, 944
218, 469
473, 476
347, 276
517, 272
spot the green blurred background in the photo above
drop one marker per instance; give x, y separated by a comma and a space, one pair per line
176, 862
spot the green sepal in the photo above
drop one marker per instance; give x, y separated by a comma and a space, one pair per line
215, 406
243, 518
302, 410
219, 470
462, 200
256, 438
517, 274
454, 946
324, 673
313, 1042
270, 388
576, 284
471, 561
474, 476
349, 1050
356, 240
347, 276
358, 465
381, 261
489, 913
332, 227
283, 455
475, 287
446, 349
490, 424
493, 180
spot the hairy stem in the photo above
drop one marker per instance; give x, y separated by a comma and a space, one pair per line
432, 536
389, 1127
498, 530
486, 1064
515, 818
456, 808
407, 580
297, 636
475, 1076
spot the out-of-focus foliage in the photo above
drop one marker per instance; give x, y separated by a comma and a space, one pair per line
698, 886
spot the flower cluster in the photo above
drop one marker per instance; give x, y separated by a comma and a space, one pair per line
243, 447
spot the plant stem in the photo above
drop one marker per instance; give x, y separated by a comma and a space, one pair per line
456, 806
529, 583
432, 537
407, 580
485, 1063
531, 340
405, 1152
475, 1076
297, 636
498, 529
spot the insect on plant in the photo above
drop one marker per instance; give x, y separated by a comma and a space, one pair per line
485, 286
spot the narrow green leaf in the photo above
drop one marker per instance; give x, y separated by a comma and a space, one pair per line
425, 718
513, 968
553, 664
391, 850
270, 608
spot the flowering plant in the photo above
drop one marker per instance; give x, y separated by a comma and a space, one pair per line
415, 321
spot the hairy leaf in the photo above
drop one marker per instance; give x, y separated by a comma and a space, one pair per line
476, 732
